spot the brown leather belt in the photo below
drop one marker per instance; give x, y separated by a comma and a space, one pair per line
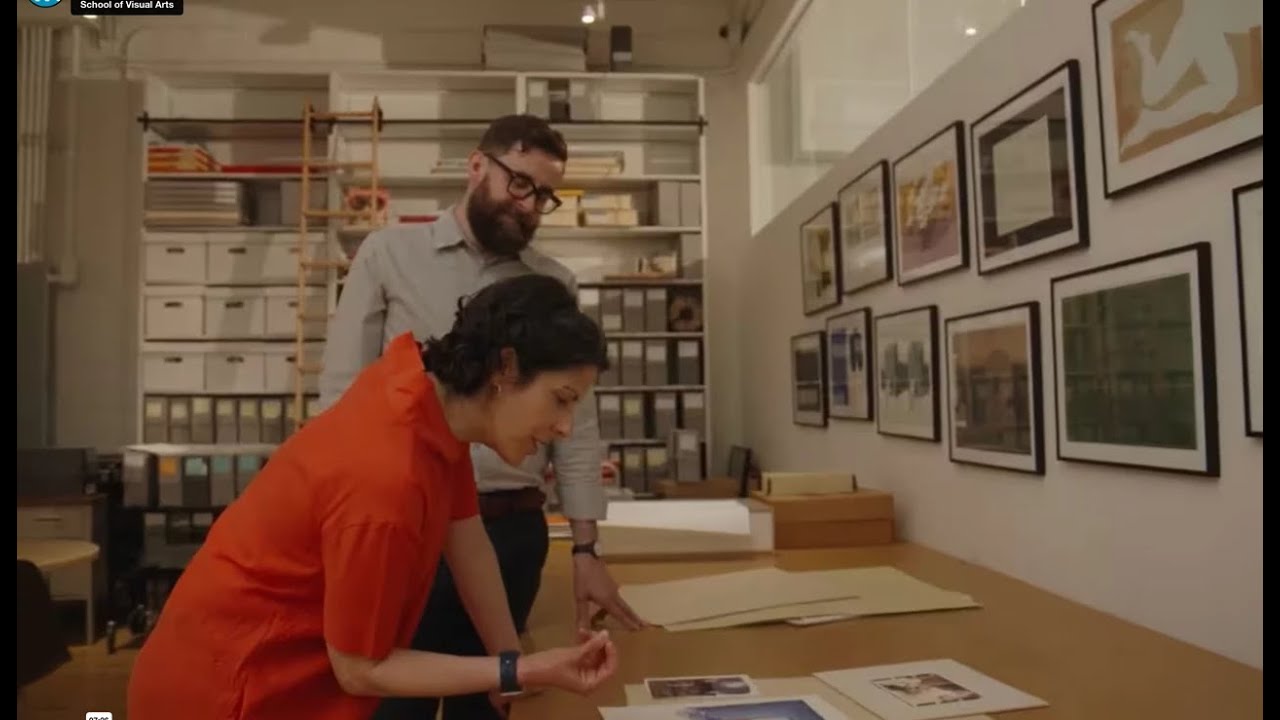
501, 503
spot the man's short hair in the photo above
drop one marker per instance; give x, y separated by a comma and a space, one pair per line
530, 132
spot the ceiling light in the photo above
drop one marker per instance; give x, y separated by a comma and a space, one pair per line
971, 31
592, 12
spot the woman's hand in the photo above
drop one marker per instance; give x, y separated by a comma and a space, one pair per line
580, 669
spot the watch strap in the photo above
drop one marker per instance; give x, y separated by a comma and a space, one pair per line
508, 680
585, 549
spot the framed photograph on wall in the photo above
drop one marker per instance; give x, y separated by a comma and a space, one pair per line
907, 392
865, 242
849, 365
1029, 174
930, 207
1247, 204
820, 261
995, 398
808, 375
1134, 363
1179, 82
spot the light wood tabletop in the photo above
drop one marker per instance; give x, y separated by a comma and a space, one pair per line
1087, 664
50, 555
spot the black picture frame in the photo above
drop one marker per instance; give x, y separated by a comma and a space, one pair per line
828, 217
1138, 358
814, 342
1249, 289
1054, 100
947, 144
1199, 145
893, 379
863, 355
879, 172
988, 452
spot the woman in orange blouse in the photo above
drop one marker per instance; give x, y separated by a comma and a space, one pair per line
303, 599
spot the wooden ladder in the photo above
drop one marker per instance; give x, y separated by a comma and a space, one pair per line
336, 262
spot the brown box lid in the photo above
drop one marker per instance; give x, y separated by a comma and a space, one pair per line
865, 504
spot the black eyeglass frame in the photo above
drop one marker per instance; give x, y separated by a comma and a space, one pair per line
546, 196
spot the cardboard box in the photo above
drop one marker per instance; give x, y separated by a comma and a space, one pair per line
855, 519
713, 487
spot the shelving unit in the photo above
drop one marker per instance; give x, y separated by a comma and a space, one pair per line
637, 162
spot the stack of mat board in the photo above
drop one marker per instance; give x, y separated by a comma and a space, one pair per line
768, 595
195, 202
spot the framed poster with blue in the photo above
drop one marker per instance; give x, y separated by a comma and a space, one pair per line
1029, 174
849, 378
1134, 363
808, 379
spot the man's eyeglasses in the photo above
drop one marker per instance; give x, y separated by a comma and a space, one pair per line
520, 186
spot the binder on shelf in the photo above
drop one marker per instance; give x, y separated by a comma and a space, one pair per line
169, 480
610, 415
633, 477
202, 420
611, 310
656, 465
655, 310
685, 455
155, 419
633, 416
222, 479
247, 467
655, 363
692, 412
200, 524
665, 414
633, 310
668, 204
180, 420
589, 302
633, 362
195, 481
690, 204
688, 362
272, 412
249, 427
611, 376
225, 420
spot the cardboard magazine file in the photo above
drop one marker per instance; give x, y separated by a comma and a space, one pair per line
851, 519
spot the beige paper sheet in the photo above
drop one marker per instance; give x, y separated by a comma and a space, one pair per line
676, 601
780, 687
889, 604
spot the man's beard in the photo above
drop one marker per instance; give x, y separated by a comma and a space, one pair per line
486, 217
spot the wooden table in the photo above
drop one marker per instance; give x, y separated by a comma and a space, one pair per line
51, 555
1086, 664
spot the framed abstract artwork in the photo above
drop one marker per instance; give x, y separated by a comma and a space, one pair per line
1029, 174
849, 365
1134, 363
820, 261
995, 397
1179, 82
865, 243
907, 392
1247, 203
930, 207
808, 375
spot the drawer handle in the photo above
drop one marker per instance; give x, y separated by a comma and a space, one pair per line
293, 251
234, 304
237, 250
173, 359
235, 359
291, 359
292, 303
173, 303
175, 250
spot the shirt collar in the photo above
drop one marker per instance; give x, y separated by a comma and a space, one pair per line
412, 395
449, 235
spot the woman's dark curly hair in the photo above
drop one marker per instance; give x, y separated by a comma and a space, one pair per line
536, 316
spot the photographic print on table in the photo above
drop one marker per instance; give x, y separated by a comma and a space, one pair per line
906, 345
994, 388
1029, 173
707, 686
865, 243
1247, 203
849, 365
931, 224
1134, 363
808, 373
1179, 82
820, 261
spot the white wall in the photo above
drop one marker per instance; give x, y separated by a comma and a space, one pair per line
1180, 555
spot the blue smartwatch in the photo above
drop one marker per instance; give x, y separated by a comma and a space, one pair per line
508, 681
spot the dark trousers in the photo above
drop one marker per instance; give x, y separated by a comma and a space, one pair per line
520, 542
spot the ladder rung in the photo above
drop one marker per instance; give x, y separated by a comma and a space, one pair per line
344, 114
353, 165
336, 213
325, 264
309, 369
312, 317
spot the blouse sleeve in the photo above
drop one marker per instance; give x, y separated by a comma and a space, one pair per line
367, 576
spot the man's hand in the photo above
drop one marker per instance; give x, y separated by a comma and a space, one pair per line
593, 584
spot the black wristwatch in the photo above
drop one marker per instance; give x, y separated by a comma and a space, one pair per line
508, 680
585, 549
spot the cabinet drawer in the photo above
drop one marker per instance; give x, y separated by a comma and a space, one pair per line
234, 371
234, 313
56, 522
237, 259
282, 312
180, 262
280, 368
174, 315
176, 371
280, 257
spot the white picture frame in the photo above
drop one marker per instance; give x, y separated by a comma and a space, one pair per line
931, 207
906, 361
850, 366
865, 213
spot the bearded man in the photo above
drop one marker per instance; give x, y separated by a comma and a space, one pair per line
410, 278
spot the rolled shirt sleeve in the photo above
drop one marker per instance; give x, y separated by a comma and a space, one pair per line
577, 460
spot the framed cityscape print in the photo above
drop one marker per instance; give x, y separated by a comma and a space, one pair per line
906, 345
1029, 174
849, 365
995, 397
808, 372
820, 261
865, 243
1179, 82
931, 226
1134, 363
1247, 203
